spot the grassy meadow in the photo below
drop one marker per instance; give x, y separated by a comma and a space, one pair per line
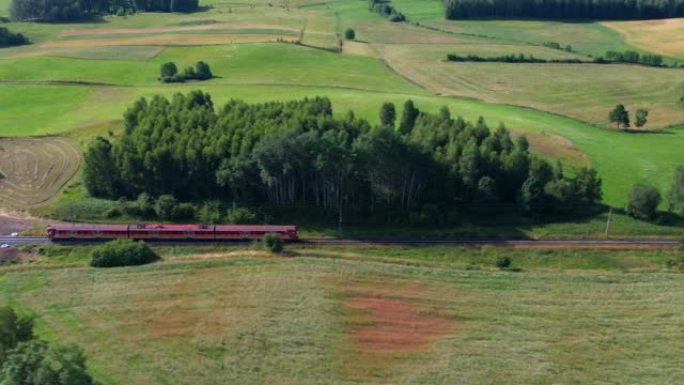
77, 79
372, 316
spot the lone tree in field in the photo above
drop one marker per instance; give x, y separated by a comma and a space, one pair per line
641, 117
676, 195
643, 201
349, 34
388, 114
620, 116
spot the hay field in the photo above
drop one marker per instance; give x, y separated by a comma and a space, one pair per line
34, 171
660, 36
583, 91
251, 319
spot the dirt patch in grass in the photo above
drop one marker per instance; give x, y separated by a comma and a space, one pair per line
555, 147
393, 325
387, 324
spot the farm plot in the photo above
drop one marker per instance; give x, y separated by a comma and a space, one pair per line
312, 320
34, 170
582, 91
660, 36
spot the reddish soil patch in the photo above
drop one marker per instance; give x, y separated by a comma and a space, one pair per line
394, 325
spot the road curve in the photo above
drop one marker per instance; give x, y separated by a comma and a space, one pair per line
571, 243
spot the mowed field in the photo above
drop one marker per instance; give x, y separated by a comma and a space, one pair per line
34, 170
340, 318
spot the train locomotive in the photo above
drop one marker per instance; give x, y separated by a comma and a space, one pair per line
155, 232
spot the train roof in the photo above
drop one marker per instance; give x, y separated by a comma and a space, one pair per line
176, 227
266, 228
87, 227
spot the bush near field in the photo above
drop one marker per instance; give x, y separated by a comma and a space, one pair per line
122, 252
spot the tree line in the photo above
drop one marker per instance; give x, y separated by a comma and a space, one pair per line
520, 58
285, 154
384, 8
565, 9
611, 57
74, 10
168, 73
9, 39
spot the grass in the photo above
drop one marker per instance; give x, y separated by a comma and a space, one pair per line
36, 170
36, 101
582, 91
248, 318
660, 36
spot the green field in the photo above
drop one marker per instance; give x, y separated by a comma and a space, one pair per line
78, 78
342, 316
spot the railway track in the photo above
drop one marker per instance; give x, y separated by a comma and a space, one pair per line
572, 243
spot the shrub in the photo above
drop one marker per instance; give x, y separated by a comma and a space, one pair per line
184, 211
273, 243
122, 252
349, 34
165, 208
241, 215
643, 201
114, 212
503, 263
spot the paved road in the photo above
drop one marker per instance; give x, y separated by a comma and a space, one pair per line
627, 243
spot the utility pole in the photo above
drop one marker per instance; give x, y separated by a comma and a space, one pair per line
610, 214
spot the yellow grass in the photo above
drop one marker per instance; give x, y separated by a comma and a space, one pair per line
665, 37
35, 170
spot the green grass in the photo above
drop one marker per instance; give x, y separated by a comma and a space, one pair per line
249, 320
622, 159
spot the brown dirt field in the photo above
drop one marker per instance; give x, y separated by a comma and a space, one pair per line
167, 40
556, 147
207, 27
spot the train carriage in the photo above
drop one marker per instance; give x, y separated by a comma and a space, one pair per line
189, 232
85, 232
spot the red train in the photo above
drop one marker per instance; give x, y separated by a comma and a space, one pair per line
169, 232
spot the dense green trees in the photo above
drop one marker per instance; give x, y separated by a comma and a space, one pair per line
25, 360
74, 10
641, 117
9, 39
287, 154
122, 252
565, 9
384, 8
168, 73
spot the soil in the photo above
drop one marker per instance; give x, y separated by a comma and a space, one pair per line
16, 222
394, 325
